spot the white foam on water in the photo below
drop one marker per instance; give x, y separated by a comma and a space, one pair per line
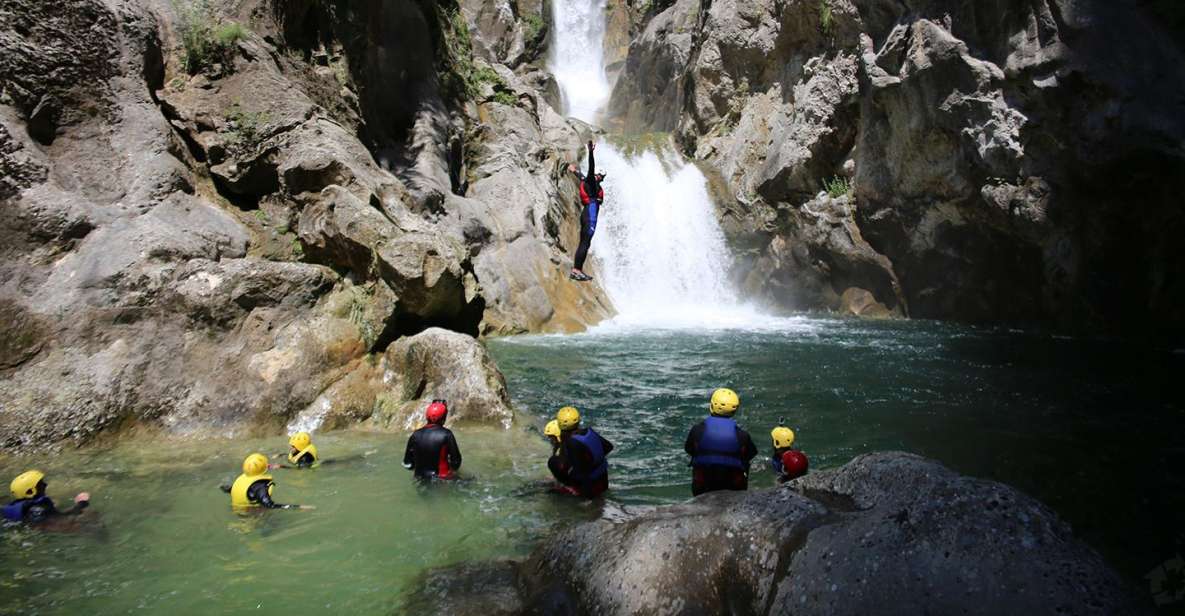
658, 250
578, 56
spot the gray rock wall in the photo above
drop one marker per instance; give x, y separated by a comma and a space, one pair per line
1006, 160
220, 246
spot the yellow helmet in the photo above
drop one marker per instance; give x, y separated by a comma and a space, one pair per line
725, 402
568, 418
25, 484
552, 429
300, 440
255, 464
783, 437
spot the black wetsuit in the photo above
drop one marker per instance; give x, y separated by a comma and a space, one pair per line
718, 469
305, 460
592, 196
258, 493
432, 452
578, 467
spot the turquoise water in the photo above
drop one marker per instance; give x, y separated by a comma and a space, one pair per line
1091, 427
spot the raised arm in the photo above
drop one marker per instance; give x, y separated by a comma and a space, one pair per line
592, 160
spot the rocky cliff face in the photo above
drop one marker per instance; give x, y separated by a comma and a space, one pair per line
887, 533
986, 161
216, 215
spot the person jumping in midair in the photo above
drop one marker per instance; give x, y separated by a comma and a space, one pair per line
592, 196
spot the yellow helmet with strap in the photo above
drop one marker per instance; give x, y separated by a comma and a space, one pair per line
782, 436
725, 402
552, 430
568, 418
25, 484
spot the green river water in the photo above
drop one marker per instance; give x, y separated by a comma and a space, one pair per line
1092, 428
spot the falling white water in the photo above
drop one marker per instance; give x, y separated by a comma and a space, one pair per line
578, 56
658, 249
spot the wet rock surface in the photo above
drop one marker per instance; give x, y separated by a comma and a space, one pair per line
999, 156
216, 245
888, 533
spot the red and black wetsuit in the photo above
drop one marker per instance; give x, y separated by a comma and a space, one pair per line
592, 195
582, 465
432, 452
720, 455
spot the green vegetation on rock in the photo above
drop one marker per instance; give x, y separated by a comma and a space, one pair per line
247, 129
206, 42
837, 187
826, 18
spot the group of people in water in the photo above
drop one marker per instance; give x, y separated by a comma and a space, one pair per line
721, 455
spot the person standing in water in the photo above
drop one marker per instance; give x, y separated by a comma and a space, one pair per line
592, 197
720, 450
788, 462
432, 451
32, 505
581, 466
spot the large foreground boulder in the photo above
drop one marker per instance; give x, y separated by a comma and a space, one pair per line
888, 533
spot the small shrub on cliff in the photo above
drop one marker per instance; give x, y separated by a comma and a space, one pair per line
532, 27
837, 187
247, 129
205, 42
826, 18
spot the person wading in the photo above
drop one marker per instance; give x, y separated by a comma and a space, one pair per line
580, 467
720, 450
592, 196
432, 451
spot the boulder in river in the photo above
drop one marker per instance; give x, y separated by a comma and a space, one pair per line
888, 533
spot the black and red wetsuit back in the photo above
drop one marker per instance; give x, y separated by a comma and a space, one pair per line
432, 452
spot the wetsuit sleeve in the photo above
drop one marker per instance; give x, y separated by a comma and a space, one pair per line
454, 452
606, 446
693, 438
40, 513
258, 493
305, 460
409, 456
592, 164
748, 448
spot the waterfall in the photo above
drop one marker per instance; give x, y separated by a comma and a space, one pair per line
578, 56
659, 251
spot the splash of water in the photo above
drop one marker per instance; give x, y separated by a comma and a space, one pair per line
661, 253
578, 56
659, 248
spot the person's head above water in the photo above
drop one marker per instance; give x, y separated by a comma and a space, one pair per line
437, 412
300, 441
567, 419
28, 484
552, 429
782, 436
725, 402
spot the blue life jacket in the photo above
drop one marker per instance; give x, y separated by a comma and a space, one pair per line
600, 466
719, 445
16, 510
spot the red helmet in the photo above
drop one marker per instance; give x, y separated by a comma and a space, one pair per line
794, 464
437, 412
